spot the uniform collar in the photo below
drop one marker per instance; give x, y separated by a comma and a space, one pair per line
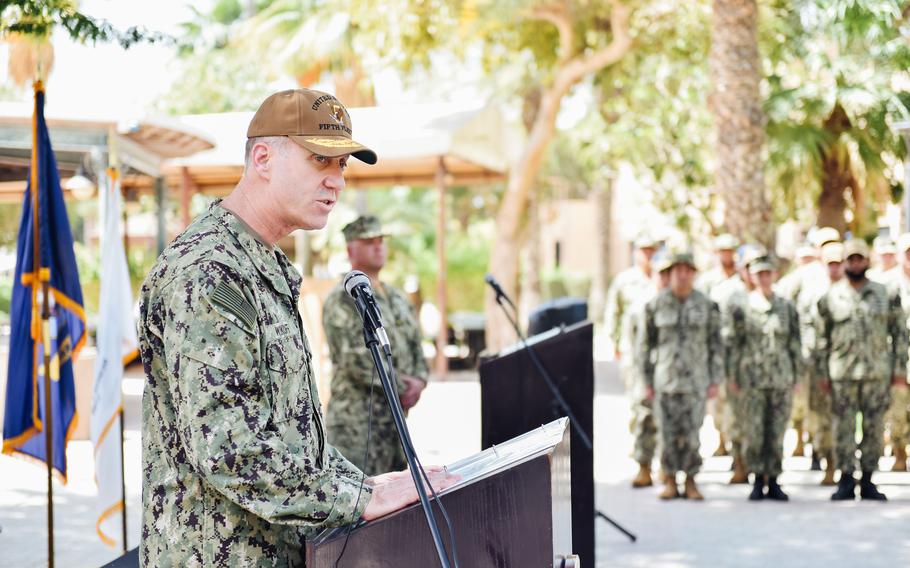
759, 302
271, 262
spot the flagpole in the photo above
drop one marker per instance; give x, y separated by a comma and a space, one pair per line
44, 277
48, 416
122, 478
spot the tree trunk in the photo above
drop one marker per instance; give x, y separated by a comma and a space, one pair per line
601, 200
837, 175
739, 120
504, 259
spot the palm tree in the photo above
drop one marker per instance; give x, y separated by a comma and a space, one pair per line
838, 83
735, 101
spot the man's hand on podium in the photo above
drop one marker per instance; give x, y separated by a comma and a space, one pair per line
395, 490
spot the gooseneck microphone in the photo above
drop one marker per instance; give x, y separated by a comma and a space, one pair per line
357, 285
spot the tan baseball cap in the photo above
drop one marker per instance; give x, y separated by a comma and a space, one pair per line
315, 120
903, 242
884, 245
856, 246
833, 252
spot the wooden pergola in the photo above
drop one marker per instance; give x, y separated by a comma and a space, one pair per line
424, 145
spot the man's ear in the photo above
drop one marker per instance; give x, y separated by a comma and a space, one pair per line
261, 157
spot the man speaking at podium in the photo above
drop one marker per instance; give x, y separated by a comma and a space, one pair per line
236, 470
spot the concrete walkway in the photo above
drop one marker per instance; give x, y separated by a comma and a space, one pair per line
725, 530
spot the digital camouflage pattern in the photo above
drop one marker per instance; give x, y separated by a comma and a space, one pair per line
235, 470
680, 355
897, 419
804, 286
642, 424
818, 400
766, 413
861, 343
680, 349
625, 291
349, 407
765, 355
871, 399
764, 344
862, 335
708, 281
679, 418
726, 409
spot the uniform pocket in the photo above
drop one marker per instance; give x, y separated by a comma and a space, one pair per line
285, 358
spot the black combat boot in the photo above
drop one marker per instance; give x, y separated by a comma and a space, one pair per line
775, 493
846, 487
816, 462
868, 490
758, 489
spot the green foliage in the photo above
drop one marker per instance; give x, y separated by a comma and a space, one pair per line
39, 18
824, 54
410, 215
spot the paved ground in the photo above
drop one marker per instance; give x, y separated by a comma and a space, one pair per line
725, 530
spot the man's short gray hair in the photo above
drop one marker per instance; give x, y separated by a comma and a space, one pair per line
276, 143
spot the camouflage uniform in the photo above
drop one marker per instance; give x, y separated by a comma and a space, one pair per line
727, 410
680, 355
897, 419
628, 288
803, 287
765, 353
236, 470
862, 342
821, 430
349, 409
642, 424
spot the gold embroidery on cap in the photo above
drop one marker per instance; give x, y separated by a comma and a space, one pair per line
334, 142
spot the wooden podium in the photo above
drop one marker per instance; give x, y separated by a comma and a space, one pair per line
512, 508
515, 399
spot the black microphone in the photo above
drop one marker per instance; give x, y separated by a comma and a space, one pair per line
357, 285
500, 293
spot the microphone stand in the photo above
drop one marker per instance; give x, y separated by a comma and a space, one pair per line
557, 395
372, 343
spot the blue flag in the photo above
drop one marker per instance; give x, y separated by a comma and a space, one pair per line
44, 253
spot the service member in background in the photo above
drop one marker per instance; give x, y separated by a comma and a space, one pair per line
358, 416
885, 268
765, 347
802, 286
727, 294
821, 432
897, 419
642, 424
862, 351
681, 359
721, 277
626, 290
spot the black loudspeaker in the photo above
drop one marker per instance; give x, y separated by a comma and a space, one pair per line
556, 313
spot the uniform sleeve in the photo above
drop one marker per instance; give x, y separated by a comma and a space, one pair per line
351, 360
418, 362
646, 341
715, 346
224, 416
822, 347
897, 327
734, 333
794, 342
614, 311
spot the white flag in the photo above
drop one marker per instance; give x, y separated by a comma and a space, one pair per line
117, 343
